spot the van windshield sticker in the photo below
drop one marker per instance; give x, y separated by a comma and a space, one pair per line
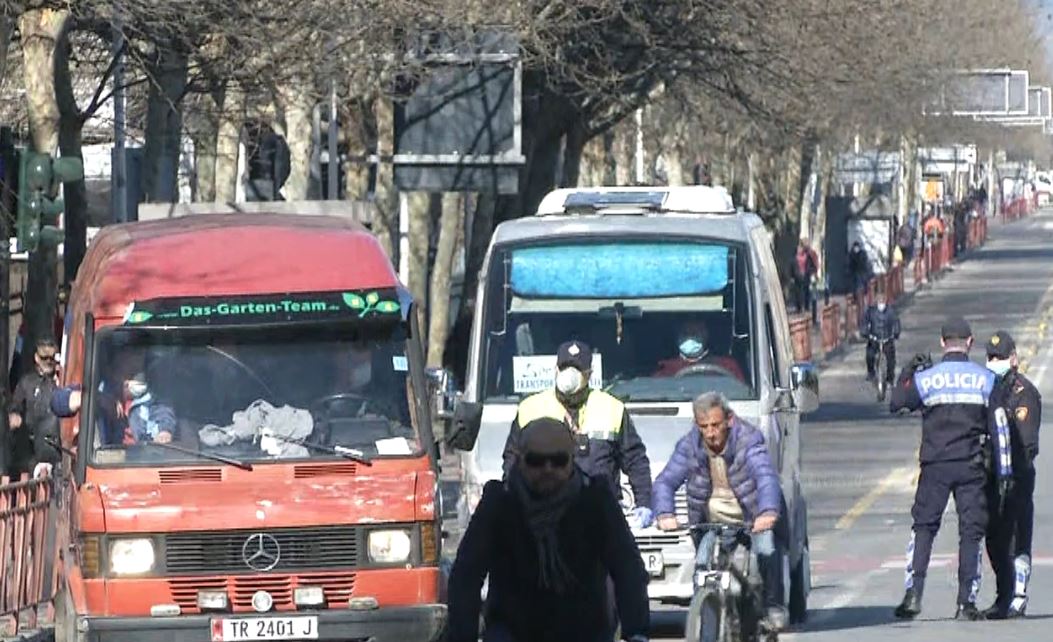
266, 308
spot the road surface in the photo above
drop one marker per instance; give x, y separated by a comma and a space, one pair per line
860, 463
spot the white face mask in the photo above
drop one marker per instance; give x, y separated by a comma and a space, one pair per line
569, 381
137, 388
361, 374
881, 306
999, 366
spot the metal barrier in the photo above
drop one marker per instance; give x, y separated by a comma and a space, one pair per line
801, 337
27, 525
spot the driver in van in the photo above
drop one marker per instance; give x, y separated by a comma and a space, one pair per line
725, 465
693, 349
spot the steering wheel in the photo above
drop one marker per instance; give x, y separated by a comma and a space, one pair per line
704, 368
323, 403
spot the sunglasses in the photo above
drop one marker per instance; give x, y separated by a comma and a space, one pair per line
538, 460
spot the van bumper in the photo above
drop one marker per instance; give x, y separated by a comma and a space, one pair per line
394, 624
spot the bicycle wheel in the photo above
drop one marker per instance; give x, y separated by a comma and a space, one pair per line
704, 617
879, 372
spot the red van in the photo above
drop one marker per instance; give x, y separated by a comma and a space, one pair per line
254, 457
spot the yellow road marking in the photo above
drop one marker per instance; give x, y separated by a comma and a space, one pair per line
897, 476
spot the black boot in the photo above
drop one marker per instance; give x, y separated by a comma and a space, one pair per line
910, 607
997, 611
969, 612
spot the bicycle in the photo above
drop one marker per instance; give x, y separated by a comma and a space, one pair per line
880, 380
727, 605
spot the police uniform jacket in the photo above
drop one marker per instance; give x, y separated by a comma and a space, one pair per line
953, 398
614, 444
1023, 407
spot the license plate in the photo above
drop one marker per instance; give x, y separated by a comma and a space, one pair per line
302, 627
654, 561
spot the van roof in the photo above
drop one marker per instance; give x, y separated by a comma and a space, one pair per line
733, 227
227, 254
688, 199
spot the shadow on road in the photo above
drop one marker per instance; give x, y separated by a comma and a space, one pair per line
849, 617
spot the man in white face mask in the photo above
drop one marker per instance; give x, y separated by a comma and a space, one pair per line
608, 442
1012, 507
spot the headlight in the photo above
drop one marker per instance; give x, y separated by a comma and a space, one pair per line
131, 556
389, 547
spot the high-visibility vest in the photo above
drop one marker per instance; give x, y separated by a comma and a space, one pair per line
600, 417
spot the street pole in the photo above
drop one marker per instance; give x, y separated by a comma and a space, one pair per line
334, 156
120, 167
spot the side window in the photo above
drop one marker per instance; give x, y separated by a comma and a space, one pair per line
775, 312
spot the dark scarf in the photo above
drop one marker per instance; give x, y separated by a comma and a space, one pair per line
543, 515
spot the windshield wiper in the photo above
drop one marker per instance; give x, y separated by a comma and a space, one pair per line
346, 453
190, 451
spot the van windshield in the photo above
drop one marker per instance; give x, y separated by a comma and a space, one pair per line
667, 319
254, 394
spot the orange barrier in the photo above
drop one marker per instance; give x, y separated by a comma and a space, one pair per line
801, 337
852, 313
830, 327
25, 559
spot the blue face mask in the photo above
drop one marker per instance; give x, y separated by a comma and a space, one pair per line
691, 348
1000, 367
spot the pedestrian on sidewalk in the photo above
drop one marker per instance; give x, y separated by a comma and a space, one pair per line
805, 268
29, 415
858, 268
953, 396
1010, 529
548, 537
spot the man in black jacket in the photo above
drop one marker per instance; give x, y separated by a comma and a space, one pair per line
881, 323
548, 537
29, 414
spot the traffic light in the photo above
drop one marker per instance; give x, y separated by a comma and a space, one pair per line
38, 204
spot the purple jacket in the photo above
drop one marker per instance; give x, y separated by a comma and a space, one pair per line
753, 478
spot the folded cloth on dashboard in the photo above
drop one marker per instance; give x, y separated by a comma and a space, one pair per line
273, 427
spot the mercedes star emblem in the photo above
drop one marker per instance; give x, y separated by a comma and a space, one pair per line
261, 552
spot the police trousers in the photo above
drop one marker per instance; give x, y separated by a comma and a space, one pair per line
967, 481
1009, 532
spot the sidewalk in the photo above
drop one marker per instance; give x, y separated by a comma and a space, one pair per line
838, 325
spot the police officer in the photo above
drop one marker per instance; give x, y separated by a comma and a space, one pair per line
608, 442
1009, 531
953, 398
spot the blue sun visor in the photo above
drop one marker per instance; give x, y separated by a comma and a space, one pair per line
619, 270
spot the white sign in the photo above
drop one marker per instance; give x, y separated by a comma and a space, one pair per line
538, 372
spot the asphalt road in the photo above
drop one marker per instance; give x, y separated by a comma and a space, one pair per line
860, 462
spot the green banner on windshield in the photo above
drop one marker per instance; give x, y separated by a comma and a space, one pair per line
264, 308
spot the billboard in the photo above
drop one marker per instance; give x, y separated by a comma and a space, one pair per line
872, 167
982, 92
947, 160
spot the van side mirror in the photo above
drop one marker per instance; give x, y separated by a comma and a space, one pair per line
804, 378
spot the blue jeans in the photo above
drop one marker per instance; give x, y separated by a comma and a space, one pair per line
765, 552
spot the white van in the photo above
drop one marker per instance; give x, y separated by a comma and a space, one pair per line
622, 269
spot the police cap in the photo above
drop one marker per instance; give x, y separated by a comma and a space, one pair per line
956, 328
1000, 345
574, 354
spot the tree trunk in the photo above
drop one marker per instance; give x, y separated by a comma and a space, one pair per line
593, 161
164, 124
40, 30
419, 213
205, 131
228, 140
75, 195
7, 26
441, 276
572, 152
356, 174
624, 142
824, 162
387, 199
296, 105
